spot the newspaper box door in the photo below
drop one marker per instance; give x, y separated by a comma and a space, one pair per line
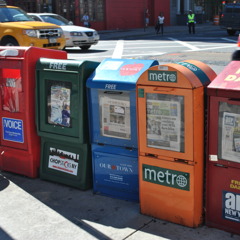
165, 116
170, 107
115, 114
223, 168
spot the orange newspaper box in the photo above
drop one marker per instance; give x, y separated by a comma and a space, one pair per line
170, 105
19, 143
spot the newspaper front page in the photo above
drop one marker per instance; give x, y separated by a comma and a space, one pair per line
164, 124
115, 120
59, 105
231, 137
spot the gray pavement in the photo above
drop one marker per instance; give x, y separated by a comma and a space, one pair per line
34, 209
168, 30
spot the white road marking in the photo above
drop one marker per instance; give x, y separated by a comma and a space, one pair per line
228, 39
121, 46
211, 48
184, 44
117, 53
145, 54
124, 55
153, 46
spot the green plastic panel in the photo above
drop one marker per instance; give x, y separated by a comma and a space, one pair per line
61, 101
66, 163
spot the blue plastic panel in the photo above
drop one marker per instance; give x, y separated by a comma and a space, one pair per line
115, 172
119, 74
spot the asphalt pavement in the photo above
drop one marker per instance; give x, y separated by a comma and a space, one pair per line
34, 209
168, 30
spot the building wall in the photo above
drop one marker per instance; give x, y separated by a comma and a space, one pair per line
118, 14
124, 14
127, 14
164, 7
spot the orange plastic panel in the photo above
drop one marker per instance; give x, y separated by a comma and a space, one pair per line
205, 68
185, 78
171, 191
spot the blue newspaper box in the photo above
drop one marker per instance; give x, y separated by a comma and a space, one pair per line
113, 126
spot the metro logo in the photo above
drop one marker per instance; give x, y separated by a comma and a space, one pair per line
166, 177
231, 206
162, 76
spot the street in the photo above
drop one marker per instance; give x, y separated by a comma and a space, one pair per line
212, 47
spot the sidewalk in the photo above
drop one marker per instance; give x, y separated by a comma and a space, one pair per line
141, 32
33, 209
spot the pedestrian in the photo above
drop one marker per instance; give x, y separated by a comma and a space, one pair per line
191, 22
85, 20
160, 22
147, 15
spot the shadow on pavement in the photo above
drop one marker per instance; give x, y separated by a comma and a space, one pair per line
4, 235
3, 183
105, 218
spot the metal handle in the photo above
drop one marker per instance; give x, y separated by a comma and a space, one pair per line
160, 89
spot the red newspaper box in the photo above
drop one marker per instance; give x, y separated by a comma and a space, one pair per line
19, 143
223, 163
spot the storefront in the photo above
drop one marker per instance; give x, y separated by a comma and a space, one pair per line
124, 14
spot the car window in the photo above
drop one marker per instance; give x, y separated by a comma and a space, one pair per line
228, 10
13, 15
232, 9
236, 10
35, 18
55, 19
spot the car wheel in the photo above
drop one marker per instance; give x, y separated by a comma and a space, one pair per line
231, 32
9, 41
85, 47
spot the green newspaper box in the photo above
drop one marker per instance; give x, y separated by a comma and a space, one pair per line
62, 121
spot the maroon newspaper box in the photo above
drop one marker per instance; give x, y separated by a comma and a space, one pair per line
19, 143
223, 161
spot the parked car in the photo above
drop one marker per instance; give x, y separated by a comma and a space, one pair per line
75, 35
230, 18
18, 29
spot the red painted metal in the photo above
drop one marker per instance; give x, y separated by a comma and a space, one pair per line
19, 143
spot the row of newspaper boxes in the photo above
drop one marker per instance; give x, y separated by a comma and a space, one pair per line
132, 129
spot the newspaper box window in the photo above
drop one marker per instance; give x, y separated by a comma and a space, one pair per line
59, 103
115, 118
229, 132
11, 89
165, 121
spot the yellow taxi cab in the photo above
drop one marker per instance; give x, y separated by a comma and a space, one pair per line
18, 29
